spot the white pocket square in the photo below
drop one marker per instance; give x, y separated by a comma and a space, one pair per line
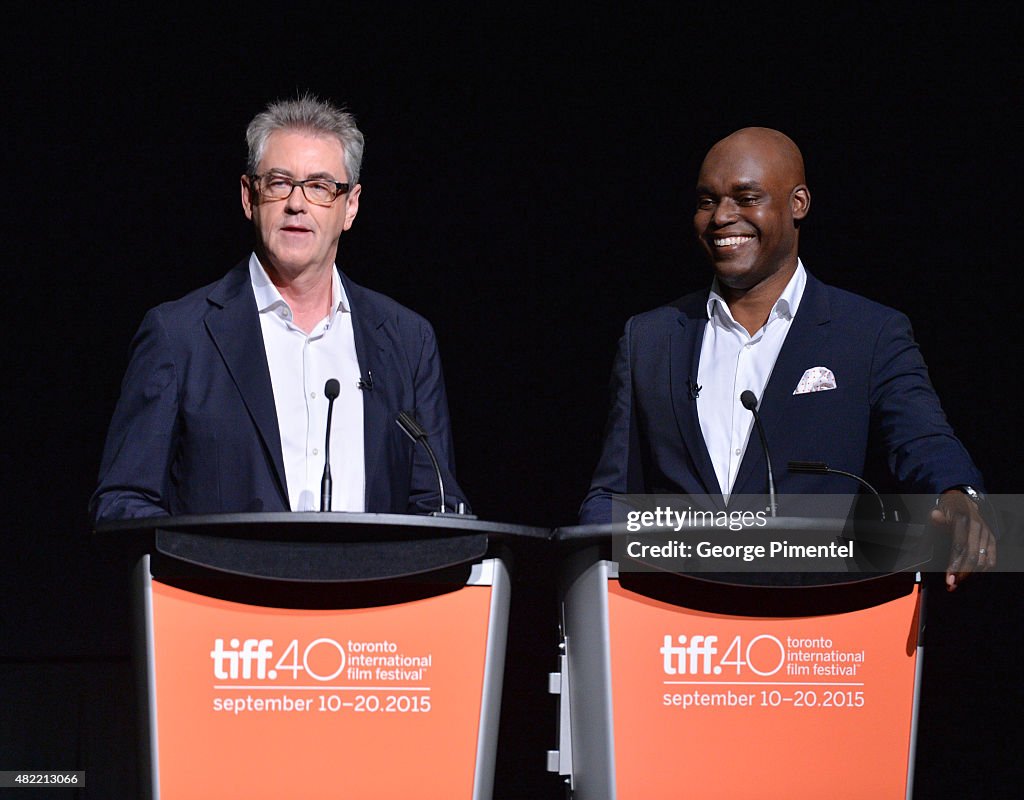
816, 379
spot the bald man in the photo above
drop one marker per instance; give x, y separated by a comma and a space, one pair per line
835, 375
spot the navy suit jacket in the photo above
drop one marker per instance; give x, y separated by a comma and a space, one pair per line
195, 429
653, 443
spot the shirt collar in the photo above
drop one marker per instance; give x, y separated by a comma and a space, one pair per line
785, 307
268, 297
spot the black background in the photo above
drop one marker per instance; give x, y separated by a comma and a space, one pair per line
527, 187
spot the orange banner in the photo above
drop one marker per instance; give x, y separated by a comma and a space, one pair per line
714, 706
276, 703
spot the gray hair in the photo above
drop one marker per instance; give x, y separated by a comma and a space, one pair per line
306, 114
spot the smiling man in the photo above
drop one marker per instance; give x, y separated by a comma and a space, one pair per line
223, 405
836, 376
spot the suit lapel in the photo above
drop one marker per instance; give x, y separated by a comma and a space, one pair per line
234, 326
371, 351
807, 345
684, 357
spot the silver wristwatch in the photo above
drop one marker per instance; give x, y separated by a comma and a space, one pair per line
974, 494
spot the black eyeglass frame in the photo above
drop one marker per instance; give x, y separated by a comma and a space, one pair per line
339, 187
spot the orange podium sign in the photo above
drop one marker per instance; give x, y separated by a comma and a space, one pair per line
719, 706
261, 702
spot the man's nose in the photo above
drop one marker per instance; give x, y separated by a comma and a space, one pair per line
725, 212
296, 201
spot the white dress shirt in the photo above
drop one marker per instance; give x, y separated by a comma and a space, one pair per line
300, 365
732, 361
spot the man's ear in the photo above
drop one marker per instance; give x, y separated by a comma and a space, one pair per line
248, 196
800, 201
352, 205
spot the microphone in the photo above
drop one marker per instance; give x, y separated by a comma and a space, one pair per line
821, 468
750, 403
331, 391
408, 423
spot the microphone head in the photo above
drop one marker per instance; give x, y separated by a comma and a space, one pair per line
332, 389
809, 467
408, 423
749, 400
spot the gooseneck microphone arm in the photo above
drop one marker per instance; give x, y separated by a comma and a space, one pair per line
412, 428
331, 391
750, 403
821, 468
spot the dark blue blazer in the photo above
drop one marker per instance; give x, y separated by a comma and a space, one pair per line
653, 442
195, 429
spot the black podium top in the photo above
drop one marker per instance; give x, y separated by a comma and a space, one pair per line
770, 525
807, 550
316, 547
880, 564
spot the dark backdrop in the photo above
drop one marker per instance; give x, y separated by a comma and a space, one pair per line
527, 187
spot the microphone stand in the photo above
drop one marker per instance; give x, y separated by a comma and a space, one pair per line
750, 403
331, 391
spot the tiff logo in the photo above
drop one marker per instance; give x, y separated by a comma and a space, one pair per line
237, 662
693, 658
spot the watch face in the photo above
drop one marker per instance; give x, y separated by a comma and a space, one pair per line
972, 493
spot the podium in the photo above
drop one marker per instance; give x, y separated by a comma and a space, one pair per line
319, 655
731, 684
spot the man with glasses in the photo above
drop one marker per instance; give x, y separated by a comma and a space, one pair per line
223, 405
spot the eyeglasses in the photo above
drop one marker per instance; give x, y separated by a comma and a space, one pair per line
319, 191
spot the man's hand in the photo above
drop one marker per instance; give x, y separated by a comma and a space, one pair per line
974, 545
